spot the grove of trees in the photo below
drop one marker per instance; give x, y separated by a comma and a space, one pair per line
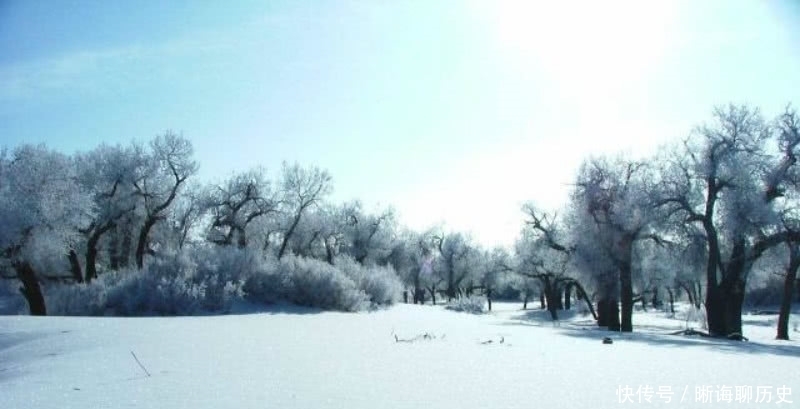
708, 218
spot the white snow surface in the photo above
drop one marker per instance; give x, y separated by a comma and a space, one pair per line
289, 357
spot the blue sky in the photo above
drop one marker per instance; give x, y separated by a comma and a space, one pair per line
450, 111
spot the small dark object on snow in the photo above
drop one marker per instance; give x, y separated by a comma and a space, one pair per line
608, 340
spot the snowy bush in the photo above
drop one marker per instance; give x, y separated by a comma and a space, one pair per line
306, 282
11, 301
222, 271
472, 304
165, 287
381, 283
77, 299
185, 283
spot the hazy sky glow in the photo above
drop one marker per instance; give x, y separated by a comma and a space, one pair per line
451, 111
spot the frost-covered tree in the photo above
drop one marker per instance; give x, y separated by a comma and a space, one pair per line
109, 173
166, 167
369, 236
729, 179
233, 206
612, 201
40, 204
302, 190
455, 261
546, 252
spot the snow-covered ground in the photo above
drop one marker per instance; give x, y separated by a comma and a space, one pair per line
289, 357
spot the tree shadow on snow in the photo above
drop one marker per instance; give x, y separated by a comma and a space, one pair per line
10, 360
684, 341
573, 325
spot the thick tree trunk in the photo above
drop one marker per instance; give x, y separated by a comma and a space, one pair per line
608, 313
91, 263
30, 289
542, 301
568, 296
786, 300
553, 299
613, 315
733, 307
626, 285
724, 301
602, 313
451, 289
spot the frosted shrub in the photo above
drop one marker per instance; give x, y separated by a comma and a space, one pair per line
163, 288
381, 284
306, 282
11, 301
267, 284
222, 271
77, 299
473, 304
319, 284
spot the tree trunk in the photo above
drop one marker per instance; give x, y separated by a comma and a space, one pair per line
91, 264
419, 296
715, 311
786, 301
489, 298
689, 295
568, 296
30, 289
724, 300
289, 233
626, 325
113, 249
91, 251
141, 244
553, 297
626, 285
602, 313
656, 301
525, 297
733, 308
581, 293
75, 266
542, 300
451, 290
671, 301
127, 244
329, 253
613, 315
